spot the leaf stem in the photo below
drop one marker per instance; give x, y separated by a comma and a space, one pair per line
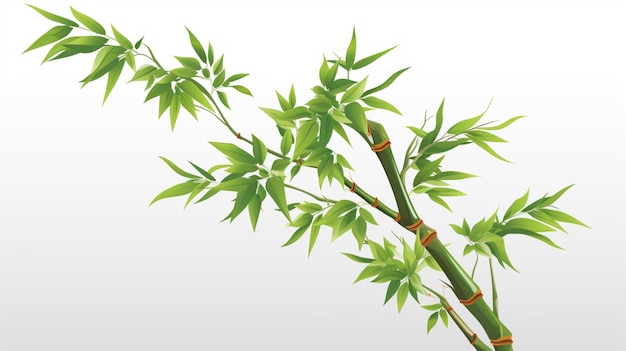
478, 344
316, 197
475, 265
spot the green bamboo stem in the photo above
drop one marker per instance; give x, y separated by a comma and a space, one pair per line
494, 291
478, 344
463, 285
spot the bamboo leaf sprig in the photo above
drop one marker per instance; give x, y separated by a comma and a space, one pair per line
257, 170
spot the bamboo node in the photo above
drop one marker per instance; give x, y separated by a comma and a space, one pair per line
413, 227
429, 238
381, 146
505, 340
353, 187
474, 338
375, 204
398, 218
238, 135
470, 301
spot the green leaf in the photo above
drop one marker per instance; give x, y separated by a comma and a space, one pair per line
197, 190
504, 124
114, 75
368, 272
392, 288
386, 84
233, 78
174, 110
197, 47
355, 92
53, 17
516, 206
89, 22
176, 190
143, 73
286, 142
306, 137
234, 152
254, 209
138, 43
433, 307
367, 216
466, 124
499, 251
258, 149
130, 60
355, 113
85, 44
191, 87
358, 259
187, 102
351, 51
485, 136
189, 62
244, 196
203, 172
210, 54
563, 217
426, 171
452, 175
332, 73
315, 230
483, 145
165, 99
106, 60
418, 131
292, 96
380, 104
219, 79
539, 237
323, 71
438, 200
336, 210
297, 235
124, 42
445, 192
184, 72
242, 89
49, 37
432, 321
547, 201
219, 65
443, 315
359, 230
547, 219
276, 189
525, 223
370, 59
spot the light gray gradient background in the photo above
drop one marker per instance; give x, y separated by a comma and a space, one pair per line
86, 265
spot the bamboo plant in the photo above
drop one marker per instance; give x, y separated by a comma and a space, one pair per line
338, 110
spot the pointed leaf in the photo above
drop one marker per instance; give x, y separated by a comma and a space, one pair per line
176, 190
380, 104
234, 152
516, 206
483, 145
307, 135
466, 124
286, 142
355, 113
55, 18
351, 52
563, 217
392, 288
113, 77
189, 62
49, 37
432, 321
358, 259
89, 22
242, 89
258, 149
276, 189
403, 292
370, 59
174, 110
355, 92
124, 42
386, 84
504, 124
197, 47
426, 171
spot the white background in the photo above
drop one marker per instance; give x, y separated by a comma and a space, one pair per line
86, 265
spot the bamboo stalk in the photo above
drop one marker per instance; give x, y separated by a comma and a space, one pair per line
463, 285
